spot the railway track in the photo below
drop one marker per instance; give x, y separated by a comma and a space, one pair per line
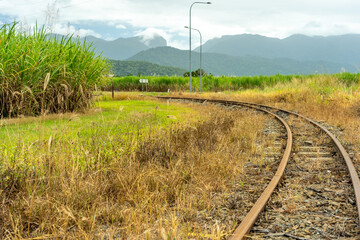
319, 195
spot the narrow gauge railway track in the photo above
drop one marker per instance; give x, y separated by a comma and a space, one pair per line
316, 199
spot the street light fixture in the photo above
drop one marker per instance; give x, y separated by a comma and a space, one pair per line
200, 52
190, 36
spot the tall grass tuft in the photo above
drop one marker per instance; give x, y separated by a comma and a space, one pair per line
41, 74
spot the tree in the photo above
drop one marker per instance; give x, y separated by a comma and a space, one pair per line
196, 73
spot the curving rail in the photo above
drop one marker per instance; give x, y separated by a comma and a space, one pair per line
255, 211
259, 205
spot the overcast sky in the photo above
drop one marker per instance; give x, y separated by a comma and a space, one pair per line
111, 19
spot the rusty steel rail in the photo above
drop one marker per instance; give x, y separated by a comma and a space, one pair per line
250, 218
352, 171
253, 214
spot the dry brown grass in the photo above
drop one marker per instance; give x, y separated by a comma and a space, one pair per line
125, 187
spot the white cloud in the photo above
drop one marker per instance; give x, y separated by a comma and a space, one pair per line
150, 33
88, 32
278, 18
69, 29
120, 26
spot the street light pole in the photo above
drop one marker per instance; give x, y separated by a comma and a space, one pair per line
190, 36
200, 51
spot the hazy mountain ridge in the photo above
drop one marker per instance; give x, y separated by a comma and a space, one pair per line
222, 64
341, 49
121, 48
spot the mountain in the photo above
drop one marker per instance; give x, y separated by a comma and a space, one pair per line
341, 49
134, 68
123, 48
222, 64
120, 48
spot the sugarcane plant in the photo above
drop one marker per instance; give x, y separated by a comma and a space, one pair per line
41, 73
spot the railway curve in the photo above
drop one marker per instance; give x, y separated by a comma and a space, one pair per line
247, 223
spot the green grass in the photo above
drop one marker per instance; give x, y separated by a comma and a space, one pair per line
109, 117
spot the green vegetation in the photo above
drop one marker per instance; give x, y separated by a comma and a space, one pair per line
138, 68
40, 75
156, 84
348, 78
211, 83
196, 73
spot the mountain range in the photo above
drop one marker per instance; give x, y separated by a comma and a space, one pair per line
340, 49
123, 48
222, 64
243, 54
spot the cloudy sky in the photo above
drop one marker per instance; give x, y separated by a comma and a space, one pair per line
111, 19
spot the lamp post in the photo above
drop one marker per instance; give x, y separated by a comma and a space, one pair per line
190, 36
200, 51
